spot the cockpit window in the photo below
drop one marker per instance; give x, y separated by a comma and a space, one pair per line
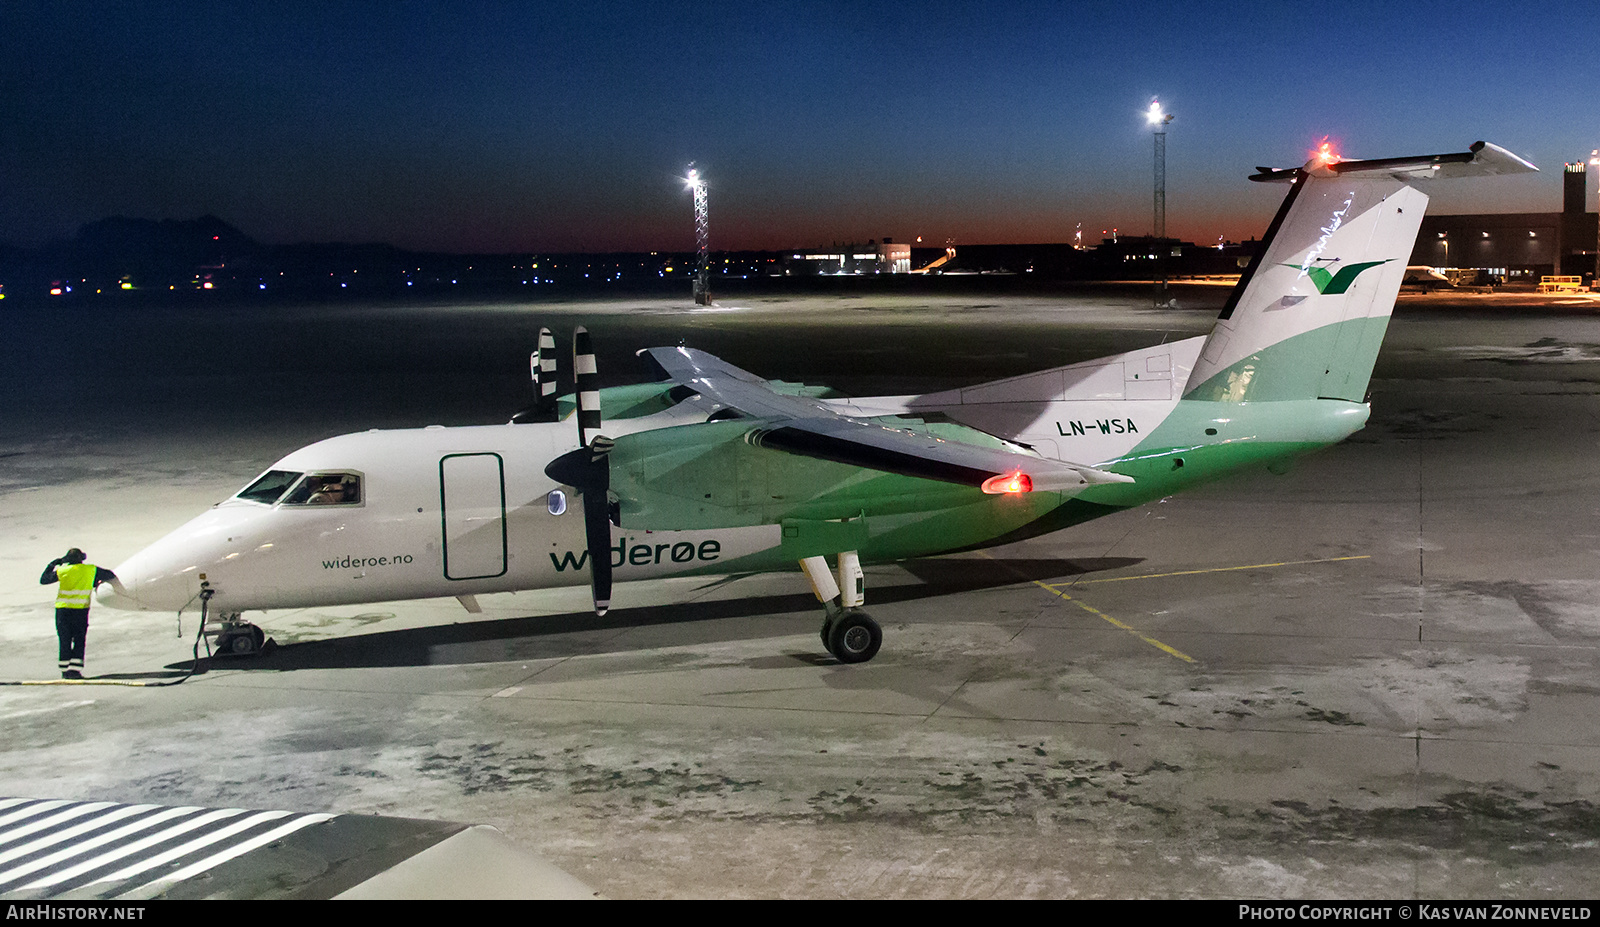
268, 487
327, 489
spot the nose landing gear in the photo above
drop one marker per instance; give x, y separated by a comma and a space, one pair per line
234, 638
849, 633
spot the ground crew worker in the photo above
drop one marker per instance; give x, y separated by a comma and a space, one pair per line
77, 583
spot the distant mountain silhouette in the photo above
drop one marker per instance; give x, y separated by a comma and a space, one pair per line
121, 245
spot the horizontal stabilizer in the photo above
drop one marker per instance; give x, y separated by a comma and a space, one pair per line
1481, 160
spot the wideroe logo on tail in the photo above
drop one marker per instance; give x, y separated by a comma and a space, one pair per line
1333, 284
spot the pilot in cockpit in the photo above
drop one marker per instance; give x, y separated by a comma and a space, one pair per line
331, 493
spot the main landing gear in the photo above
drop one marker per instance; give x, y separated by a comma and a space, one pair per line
849, 633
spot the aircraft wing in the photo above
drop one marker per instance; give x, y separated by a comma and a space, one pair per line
806, 427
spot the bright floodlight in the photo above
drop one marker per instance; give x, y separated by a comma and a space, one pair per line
694, 178
1154, 116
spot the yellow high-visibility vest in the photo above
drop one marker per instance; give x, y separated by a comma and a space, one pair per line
77, 583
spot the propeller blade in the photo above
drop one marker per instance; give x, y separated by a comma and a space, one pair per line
587, 375
542, 371
588, 470
543, 364
597, 532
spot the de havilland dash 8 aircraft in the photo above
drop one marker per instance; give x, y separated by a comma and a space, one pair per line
714, 470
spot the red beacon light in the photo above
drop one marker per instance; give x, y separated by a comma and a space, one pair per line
1017, 482
1324, 154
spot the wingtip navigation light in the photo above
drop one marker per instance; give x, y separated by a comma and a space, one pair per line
1001, 484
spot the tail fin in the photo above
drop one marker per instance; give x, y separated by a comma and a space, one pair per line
1309, 315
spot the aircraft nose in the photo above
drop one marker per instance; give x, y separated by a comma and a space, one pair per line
118, 596
165, 576
150, 581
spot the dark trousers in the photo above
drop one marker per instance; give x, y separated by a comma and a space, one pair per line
72, 629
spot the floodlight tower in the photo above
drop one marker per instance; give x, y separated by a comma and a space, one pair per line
1158, 124
1594, 161
702, 235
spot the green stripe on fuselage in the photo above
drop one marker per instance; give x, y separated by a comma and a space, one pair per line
1179, 454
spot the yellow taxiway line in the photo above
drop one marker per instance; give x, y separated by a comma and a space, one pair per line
134, 683
1056, 589
1253, 566
1115, 623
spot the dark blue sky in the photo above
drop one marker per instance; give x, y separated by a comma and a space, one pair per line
550, 126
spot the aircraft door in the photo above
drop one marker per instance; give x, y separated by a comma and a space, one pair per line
472, 507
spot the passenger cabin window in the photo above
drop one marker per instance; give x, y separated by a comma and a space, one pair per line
556, 502
269, 487
327, 489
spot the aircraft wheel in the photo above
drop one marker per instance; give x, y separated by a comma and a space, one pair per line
827, 631
244, 642
855, 637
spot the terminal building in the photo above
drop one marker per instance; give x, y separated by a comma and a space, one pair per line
1515, 246
871, 258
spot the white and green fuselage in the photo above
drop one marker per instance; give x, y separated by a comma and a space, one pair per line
701, 483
